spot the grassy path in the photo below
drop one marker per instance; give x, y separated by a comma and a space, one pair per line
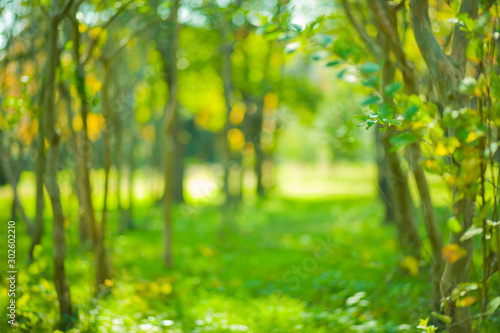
315, 264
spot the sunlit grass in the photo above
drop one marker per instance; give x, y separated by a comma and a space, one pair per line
323, 262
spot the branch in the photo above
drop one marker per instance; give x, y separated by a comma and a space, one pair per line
88, 52
443, 73
460, 40
129, 38
369, 41
64, 11
387, 26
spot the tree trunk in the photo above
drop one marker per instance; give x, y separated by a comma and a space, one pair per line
446, 72
458, 272
73, 144
53, 138
432, 227
168, 132
226, 75
386, 20
101, 257
406, 217
178, 176
11, 178
84, 145
384, 188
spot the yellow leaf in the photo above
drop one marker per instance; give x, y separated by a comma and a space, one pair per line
236, 139
271, 101
453, 253
237, 113
441, 150
108, 283
77, 123
452, 144
471, 137
411, 264
95, 124
467, 301
166, 288
93, 83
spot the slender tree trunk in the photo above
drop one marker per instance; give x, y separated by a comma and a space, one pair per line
259, 154
432, 227
84, 145
458, 272
168, 132
226, 75
406, 217
53, 138
40, 173
73, 144
11, 178
384, 188
101, 256
178, 163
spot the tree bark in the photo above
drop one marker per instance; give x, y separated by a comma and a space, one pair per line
84, 145
446, 73
168, 132
101, 256
386, 20
53, 138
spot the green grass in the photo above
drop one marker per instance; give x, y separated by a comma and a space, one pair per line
320, 262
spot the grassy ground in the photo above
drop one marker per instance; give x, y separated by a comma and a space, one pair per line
314, 257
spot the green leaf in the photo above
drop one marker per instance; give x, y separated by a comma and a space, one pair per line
471, 232
386, 111
403, 139
454, 225
445, 319
393, 88
493, 306
410, 112
341, 73
333, 63
369, 68
370, 100
474, 50
323, 39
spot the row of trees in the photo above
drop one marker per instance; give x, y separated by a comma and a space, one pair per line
67, 102
430, 74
